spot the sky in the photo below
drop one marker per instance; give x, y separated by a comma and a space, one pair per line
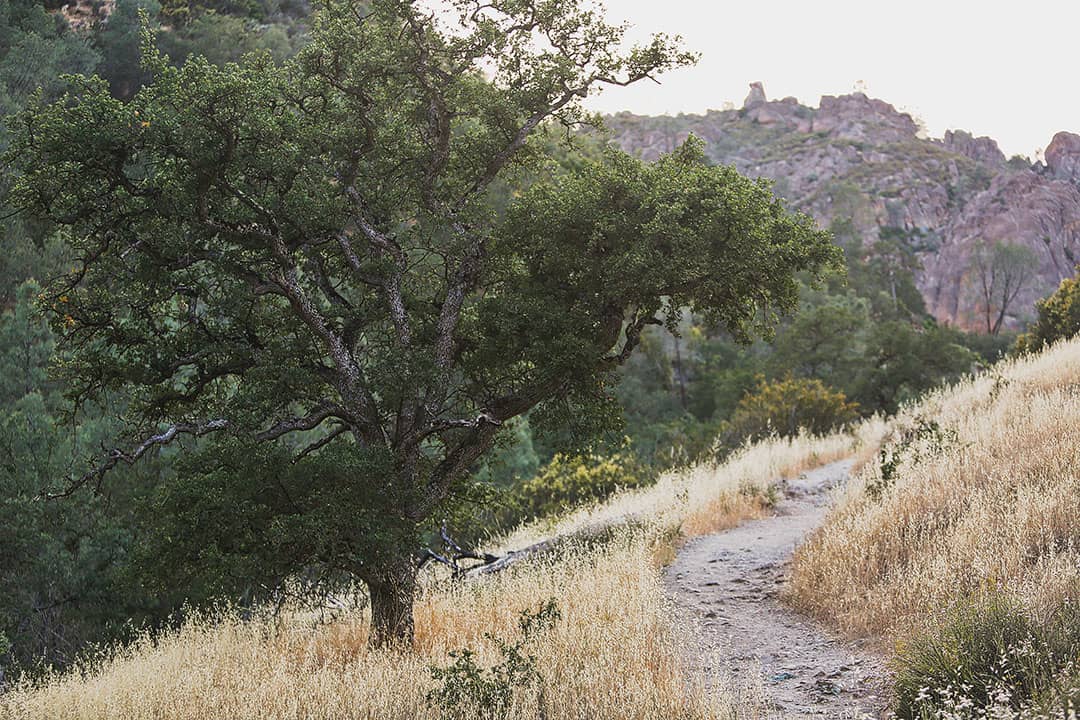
1003, 69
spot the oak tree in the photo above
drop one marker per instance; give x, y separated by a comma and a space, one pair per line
316, 257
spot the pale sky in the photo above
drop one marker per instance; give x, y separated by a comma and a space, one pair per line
1003, 69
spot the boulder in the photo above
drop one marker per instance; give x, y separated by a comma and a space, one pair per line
1063, 157
756, 96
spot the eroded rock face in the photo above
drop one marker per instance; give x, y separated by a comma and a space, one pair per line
1022, 208
980, 149
1063, 157
858, 117
859, 161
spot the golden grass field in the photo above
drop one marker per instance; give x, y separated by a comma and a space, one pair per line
615, 653
992, 505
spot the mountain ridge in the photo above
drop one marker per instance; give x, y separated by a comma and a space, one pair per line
864, 169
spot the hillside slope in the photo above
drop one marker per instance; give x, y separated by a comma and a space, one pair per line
863, 168
971, 508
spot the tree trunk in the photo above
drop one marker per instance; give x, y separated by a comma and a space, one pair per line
393, 591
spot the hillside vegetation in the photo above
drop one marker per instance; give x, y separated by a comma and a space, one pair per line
955, 545
613, 652
959, 541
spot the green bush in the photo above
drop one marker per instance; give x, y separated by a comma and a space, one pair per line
468, 691
1059, 318
923, 438
784, 407
567, 482
987, 658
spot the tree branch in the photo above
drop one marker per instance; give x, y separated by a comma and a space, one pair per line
117, 456
323, 411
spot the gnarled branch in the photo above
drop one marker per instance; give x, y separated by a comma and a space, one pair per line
117, 455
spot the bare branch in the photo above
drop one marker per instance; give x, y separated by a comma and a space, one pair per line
322, 412
323, 442
117, 456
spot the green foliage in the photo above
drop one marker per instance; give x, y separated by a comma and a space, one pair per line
61, 562
237, 519
468, 691
826, 340
986, 658
924, 439
222, 38
119, 40
35, 50
567, 482
513, 459
308, 255
1058, 318
883, 273
903, 361
783, 407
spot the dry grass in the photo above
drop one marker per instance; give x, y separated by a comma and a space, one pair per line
992, 505
614, 615
707, 497
615, 653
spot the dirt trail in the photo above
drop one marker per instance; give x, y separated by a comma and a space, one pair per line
729, 584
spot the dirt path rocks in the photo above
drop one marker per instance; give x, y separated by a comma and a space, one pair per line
728, 584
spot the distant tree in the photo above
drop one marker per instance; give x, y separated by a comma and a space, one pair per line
1000, 271
118, 39
786, 406
35, 49
61, 563
224, 38
825, 340
904, 360
301, 265
884, 273
1058, 318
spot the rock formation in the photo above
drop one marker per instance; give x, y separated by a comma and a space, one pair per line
859, 160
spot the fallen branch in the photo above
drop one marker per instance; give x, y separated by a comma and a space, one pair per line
491, 564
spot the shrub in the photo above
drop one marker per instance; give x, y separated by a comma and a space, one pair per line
1059, 317
466, 690
783, 407
924, 438
986, 658
566, 482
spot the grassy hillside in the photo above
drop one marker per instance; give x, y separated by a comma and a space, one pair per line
956, 545
612, 615
960, 542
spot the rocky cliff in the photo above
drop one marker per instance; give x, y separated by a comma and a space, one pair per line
858, 163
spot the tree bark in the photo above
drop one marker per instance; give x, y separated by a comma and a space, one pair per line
393, 590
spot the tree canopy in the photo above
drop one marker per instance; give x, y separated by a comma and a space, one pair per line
313, 255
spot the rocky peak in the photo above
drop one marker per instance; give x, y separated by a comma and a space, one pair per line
861, 162
858, 117
756, 96
787, 112
1063, 157
980, 149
